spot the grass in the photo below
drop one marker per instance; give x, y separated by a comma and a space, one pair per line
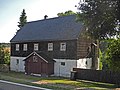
55, 83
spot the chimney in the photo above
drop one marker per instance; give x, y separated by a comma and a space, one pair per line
45, 17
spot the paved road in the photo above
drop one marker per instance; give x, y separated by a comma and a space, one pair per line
4, 85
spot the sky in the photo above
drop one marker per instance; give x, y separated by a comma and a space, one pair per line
10, 11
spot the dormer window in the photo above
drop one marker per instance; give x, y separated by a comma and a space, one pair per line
50, 46
62, 46
17, 47
36, 47
24, 47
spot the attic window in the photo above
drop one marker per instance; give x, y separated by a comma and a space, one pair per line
50, 46
17, 47
35, 59
36, 47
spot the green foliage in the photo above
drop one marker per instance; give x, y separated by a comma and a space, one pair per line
102, 21
23, 19
4, 55
103, 48
113, 55
100, 17
7, 57
101, 59
69, 12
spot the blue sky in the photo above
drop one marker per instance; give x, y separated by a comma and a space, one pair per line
10, 11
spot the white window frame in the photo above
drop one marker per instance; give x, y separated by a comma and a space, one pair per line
63, 46
36, 46
17, 47
24, 47
50, 46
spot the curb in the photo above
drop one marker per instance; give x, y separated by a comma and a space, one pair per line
24, 85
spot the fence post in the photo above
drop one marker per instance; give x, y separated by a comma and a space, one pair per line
73, 75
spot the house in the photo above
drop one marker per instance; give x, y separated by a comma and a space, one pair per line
50, 46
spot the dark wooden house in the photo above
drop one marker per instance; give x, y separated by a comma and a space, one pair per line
59, 39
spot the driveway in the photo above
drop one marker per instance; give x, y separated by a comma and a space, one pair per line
4, 85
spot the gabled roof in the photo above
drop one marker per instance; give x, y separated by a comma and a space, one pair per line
42, 56
59, 28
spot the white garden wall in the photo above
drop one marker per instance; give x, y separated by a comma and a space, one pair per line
64, 70
85, 63
17, 64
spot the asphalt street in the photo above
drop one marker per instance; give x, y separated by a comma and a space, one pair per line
4, 85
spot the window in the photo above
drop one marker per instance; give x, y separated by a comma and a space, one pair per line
35, 59
17, 61
50, 46
24, 47
63, 63
62, 46
36, 47
17, 47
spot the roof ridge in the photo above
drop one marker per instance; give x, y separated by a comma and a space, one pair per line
50, 18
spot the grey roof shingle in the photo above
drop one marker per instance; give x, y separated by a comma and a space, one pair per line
59, 28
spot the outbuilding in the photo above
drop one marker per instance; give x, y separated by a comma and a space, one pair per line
38, 63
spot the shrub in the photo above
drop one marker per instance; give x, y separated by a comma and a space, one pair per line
113, 54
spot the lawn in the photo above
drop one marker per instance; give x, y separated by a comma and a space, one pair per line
55, 83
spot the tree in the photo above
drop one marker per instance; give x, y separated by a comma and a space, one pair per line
101, 17
69, 12
113, 55
23, 19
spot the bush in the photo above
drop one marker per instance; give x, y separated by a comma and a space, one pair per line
113, 55
4, 55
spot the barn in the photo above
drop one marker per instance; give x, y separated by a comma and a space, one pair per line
39, 63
